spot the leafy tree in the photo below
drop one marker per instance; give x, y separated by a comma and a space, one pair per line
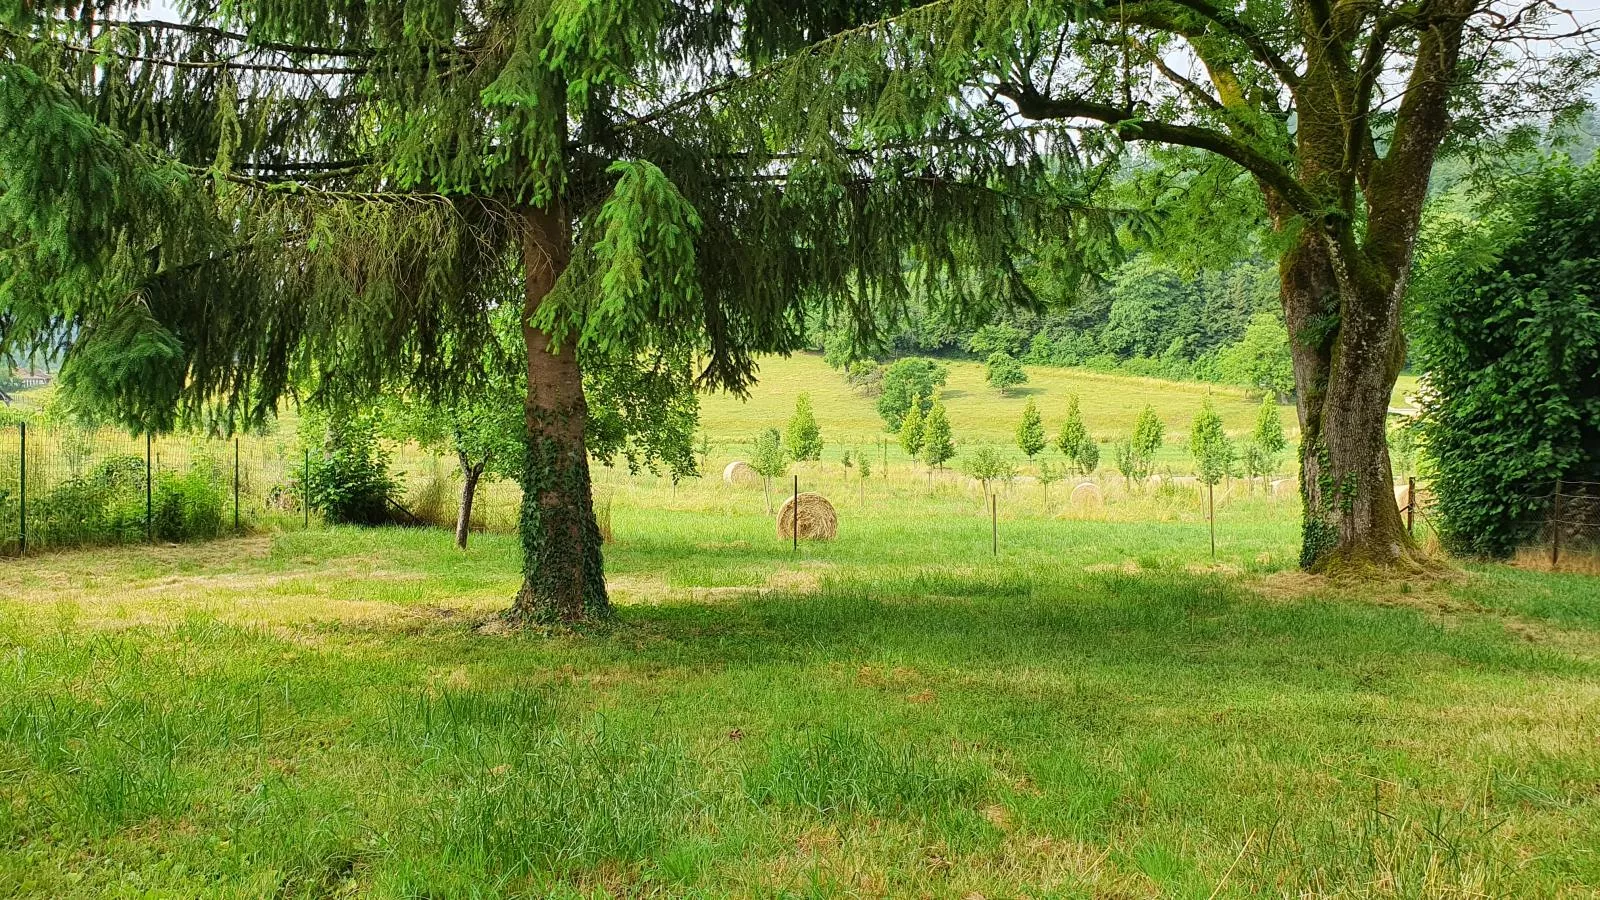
481, 431
1001, 338
702, 449
1128, 462
1508, 336
908, 381
1266, 442
1030, 432
988, 465
839, 350
938, 446
911, 429
1088, 458
770, 461
1213, 452
1260, 360
1333, 113
1003, 372
866, 466
803, 438
1403, 447
362, 183
1149, 433
1048, 475
1073, 437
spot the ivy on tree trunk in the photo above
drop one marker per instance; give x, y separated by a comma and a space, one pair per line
563, 579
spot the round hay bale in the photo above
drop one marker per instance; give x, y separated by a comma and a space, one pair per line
741, 474
1086, 494
1285, 487
816, 519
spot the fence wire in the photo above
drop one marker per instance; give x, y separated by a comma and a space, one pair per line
62, 486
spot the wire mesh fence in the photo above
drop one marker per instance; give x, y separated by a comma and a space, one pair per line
64, 486
1566, 522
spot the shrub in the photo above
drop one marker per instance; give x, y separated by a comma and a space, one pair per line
187, 506
1508, 334
350, 480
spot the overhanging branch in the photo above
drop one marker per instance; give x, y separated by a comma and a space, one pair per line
1129, 127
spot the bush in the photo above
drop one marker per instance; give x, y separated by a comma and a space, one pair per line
188, 506
350, 482
1508, 334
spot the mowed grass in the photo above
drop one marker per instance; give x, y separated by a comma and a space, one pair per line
1098, 710
979, 413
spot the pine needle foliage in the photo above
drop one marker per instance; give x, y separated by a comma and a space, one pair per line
268, 199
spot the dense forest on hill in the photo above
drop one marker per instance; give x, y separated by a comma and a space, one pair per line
1146, 318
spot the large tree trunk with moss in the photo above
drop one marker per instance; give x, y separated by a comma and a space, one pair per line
563, 580
1347, 348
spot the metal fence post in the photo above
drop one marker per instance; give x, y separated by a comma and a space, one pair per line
149, 491
22, 490
236, 485
994, 524
794, 514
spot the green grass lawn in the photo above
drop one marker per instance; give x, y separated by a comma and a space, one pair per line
1101, 710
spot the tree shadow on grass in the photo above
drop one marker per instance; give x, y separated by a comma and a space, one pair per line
1175, 629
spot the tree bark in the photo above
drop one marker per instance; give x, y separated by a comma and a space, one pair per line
563, 576
469, 492
1346, 345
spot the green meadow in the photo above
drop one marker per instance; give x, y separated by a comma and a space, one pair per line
1099, 710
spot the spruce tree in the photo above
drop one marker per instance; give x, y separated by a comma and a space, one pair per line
257, 200
1030, 431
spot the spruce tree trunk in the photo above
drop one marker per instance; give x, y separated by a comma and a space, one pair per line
563, 578
1348, 350
469, 492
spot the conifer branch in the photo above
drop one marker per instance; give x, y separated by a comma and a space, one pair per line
232, 65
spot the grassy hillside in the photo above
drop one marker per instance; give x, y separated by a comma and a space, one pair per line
978, 413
